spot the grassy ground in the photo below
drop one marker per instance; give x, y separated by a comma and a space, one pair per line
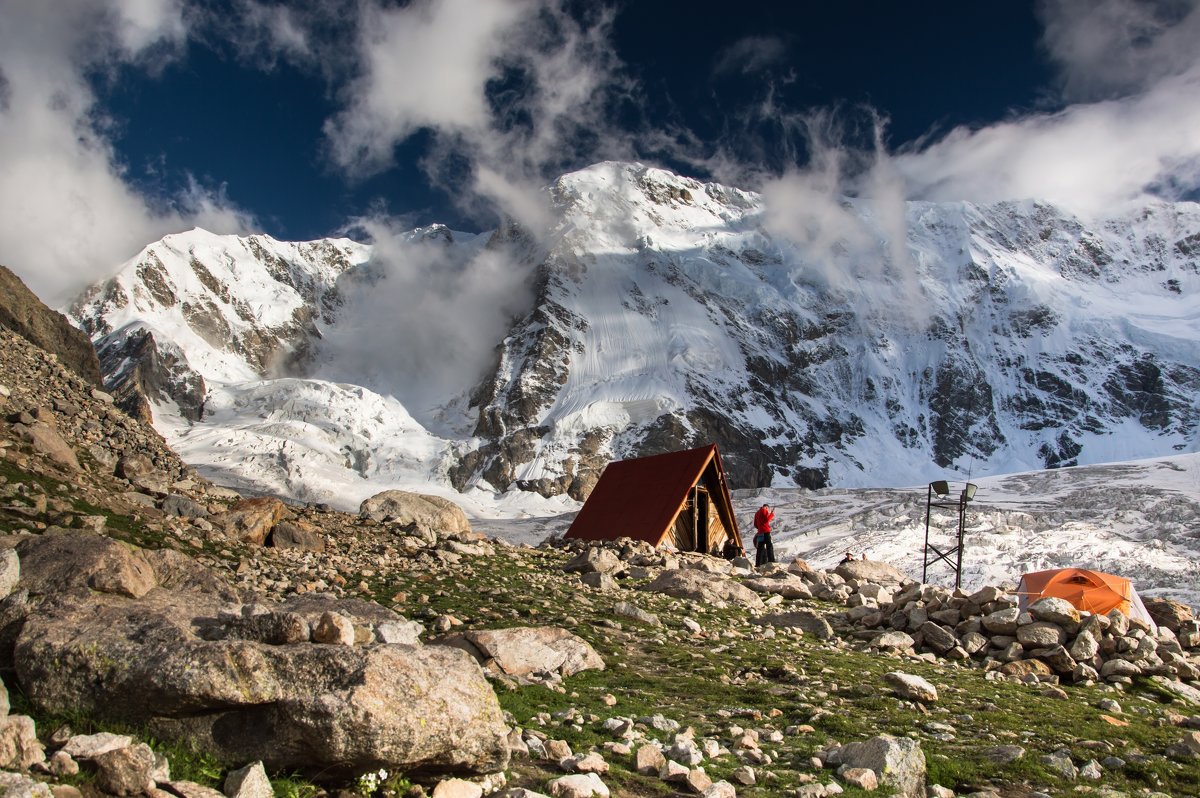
731, 674
736, 674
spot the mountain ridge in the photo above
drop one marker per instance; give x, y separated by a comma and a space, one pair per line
656, 312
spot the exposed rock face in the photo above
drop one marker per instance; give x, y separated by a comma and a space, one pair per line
726, 336
138, 370
174, 278
23, 313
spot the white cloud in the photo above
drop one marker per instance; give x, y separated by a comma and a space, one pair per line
425, 331
425, 65
1138, 66
751, 54
1107, 48
513, 90
1089, 158
67, 214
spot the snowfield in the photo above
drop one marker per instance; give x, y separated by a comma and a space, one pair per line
1140, 520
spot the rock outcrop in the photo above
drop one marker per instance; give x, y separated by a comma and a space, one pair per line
26, 315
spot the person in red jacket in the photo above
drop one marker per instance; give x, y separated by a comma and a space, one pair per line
764, 549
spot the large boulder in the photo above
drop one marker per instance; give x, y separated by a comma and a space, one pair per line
595, 560
1168, 613
328, 711
78, 562
812, 623
874, 571
432, 512
44, 438
705, 587
251, 520
780, 583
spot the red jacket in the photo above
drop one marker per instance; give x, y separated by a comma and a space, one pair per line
762, 520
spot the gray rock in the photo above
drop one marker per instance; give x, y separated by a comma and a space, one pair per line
287, 535
46, 440
911, 687
89, 746
183, 507
1119, 668
705, 587
939, 638
1057, 611
899, 641
973, 643
595, 560
1040, 635
10, 572
405, 508
599, 581
1085, 646
67, 562
1001, 622
18, 785
19, 746
248, 782
126, 771
786, 585
626, 610
400, 632
873, 571
333, 629
1003, 754
720, 789
527, 650
813, 623
898, 762
273, 628
1060, 762
579, 785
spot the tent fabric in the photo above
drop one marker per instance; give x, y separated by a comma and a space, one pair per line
641, 498
1087, 590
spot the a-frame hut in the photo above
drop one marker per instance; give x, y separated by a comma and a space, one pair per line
678, 499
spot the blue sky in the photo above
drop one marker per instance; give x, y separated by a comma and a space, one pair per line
123, 120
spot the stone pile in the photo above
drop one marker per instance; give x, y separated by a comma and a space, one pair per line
1048, 640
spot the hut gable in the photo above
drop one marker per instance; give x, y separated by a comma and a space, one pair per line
678, 499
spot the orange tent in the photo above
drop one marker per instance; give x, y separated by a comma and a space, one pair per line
1089, 591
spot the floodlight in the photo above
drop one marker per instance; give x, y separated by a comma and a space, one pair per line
941, 487
969, 491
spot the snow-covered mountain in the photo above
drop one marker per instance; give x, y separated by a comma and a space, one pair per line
656, 312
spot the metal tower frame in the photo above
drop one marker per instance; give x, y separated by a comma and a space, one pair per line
941, 489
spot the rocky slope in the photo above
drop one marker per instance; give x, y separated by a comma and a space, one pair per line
22, 312
660, 312
136, 593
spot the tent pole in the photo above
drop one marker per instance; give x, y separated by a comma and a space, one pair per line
925, 555
962, 519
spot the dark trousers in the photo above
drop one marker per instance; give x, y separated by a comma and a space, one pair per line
765, 552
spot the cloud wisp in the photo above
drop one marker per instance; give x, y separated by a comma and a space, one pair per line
68, 215
423, 322
512, 94
1126, 131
